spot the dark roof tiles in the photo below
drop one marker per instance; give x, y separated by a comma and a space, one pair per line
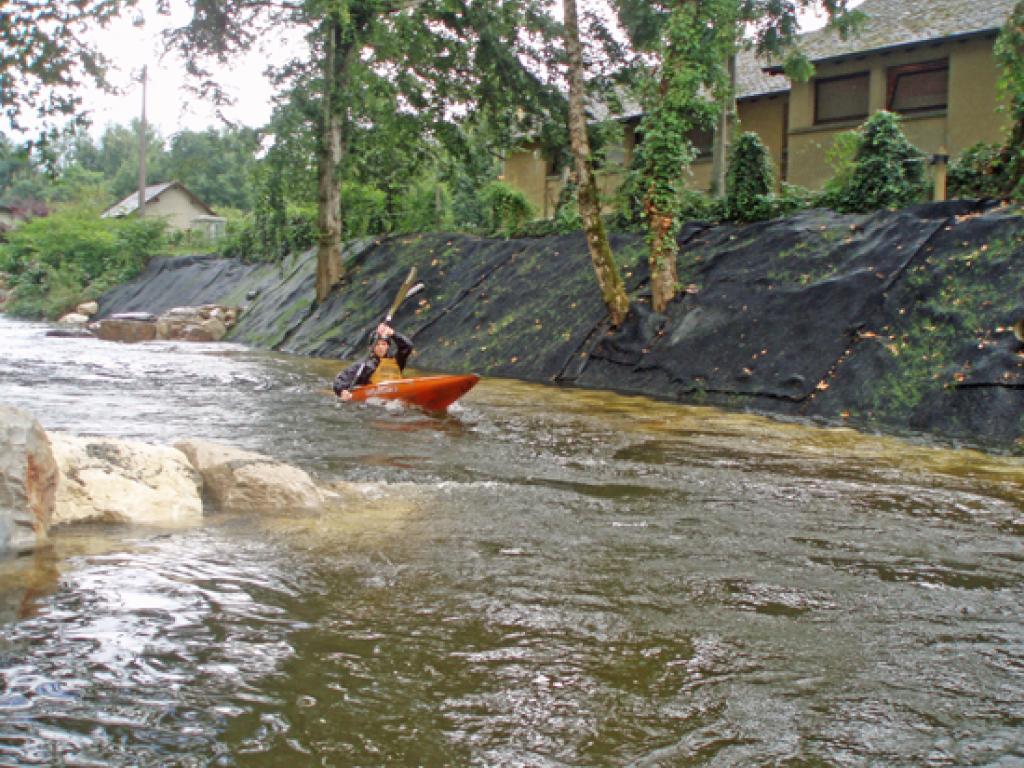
897, 23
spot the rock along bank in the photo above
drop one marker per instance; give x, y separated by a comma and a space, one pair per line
897, 321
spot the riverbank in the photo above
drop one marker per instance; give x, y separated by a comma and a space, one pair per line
898, 322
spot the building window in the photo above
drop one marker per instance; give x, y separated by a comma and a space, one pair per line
918, 87
839, 99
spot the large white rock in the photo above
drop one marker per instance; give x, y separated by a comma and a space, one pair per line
74, 318
28, 481
88, 308
239, 481
122, 481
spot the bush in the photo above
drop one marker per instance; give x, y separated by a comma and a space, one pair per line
424, 206
793, 198
73, 255
507, 208
365, 211
841, 158
888, 171
750, 180
698, 206
979, 171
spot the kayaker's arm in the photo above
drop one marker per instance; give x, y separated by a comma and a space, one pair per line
352, 376
404, 348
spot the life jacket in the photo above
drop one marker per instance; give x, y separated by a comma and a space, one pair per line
387, 370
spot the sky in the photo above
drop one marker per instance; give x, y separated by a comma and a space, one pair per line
169, 106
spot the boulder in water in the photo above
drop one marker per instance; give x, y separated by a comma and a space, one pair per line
28, 481
125, 330
122, 481
74, 318
239, 481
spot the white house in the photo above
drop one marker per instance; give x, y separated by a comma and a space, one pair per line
174, 202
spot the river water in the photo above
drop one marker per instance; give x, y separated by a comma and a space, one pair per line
542, 577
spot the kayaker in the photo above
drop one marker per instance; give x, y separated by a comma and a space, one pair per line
381, 365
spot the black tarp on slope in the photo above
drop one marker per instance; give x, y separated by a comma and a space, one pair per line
182, 281
888, 321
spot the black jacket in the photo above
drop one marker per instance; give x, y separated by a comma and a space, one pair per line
358, 374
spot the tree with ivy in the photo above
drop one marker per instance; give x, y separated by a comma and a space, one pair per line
441, 61
692, 50
692, 43
609, 279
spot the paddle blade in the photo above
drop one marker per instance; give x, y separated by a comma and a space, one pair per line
401, 294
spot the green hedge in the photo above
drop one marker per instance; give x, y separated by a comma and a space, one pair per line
56, 261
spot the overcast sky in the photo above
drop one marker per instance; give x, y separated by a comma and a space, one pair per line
169, 106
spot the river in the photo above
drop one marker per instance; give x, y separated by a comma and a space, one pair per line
541, 577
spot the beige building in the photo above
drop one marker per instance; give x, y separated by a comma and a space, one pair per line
173, 202
931, 61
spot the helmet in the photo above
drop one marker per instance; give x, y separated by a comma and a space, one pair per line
374, 338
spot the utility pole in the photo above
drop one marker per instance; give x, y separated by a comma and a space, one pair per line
142, 149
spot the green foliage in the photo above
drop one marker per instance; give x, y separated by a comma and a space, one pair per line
72, 254
507, 208
1006, 169
48, 55
423, 206
750, 180
793, 198
979, 171
365, 209
1009, 52
217, 165
841, 159
888, 171
696, 39
698, 206
629, 201
566, 220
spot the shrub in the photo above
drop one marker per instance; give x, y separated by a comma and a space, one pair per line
73, 254
365, 211
507, 208
750, 180
979, 171
698, 206
424, 206
629, 203
888, 171
841, 159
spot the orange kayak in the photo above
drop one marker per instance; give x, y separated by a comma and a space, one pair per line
432, 393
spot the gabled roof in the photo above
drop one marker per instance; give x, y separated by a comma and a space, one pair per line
131, 203
894, 24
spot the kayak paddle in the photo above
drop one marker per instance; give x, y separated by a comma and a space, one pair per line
405, 290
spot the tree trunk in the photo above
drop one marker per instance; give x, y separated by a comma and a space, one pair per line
329, 151
662, 260
609, 280
724, 132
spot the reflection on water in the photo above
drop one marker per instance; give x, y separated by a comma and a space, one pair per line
541, 577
